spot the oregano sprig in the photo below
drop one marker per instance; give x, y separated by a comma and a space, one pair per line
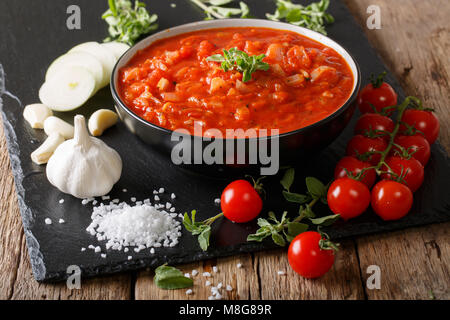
235, 59
286, 229
215, 9
313, 16
127, 22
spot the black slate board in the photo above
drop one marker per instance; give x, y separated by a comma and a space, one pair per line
34, 33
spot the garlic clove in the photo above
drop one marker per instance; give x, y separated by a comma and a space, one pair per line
101, 120
36, 114
45, 151
56, 125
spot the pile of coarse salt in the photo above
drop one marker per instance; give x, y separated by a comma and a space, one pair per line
141, 225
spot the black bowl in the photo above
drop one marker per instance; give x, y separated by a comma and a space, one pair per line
294, 146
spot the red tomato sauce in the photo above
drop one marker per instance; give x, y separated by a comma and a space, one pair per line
171, 84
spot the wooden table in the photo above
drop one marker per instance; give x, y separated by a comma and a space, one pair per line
414, 41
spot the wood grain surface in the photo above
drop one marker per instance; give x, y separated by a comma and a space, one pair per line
414, 42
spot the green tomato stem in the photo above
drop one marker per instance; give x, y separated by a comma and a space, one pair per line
401, 109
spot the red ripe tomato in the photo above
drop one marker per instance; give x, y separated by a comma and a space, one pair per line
374, 122
416, 143
391, 200
412, 170
307, 258
355, 166
360, 145
240, 202
379, 96
348, 197
424, 121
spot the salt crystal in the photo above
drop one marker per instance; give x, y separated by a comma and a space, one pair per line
48, 221
161, 190
172, 209
97, 249
84, 202
133, 199
229, 288
189, 291
206, 274
168, 205
211, 298
61, 221
219, 285
61, 201
173, 196
83, 249
152, 250
208, 283
218, 296
214, 269
281, 273
130, 257
194, 272
239, 265
217, 201
124, 190
103, 255
187, 275
126, 250
106, 197
155, 192
156, 198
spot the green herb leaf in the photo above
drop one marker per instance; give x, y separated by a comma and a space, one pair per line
295, 228
315, 188
167, 277
296, 197
128, 23
219, 2
235, 59
203, 238
260, 234
326, 221
313, 16
278, 239
288, 179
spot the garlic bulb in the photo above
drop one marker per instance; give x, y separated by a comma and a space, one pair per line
84, 166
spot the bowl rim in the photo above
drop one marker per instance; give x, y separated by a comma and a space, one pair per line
271, 25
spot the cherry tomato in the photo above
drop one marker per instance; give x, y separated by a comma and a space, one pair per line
380, 95
240, 202
348, 197
412, 170
374, 122
415, 143
424, 121
391, 200
360, 145
307, 258
355, 166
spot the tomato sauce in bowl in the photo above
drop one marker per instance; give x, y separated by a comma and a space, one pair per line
172, 85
